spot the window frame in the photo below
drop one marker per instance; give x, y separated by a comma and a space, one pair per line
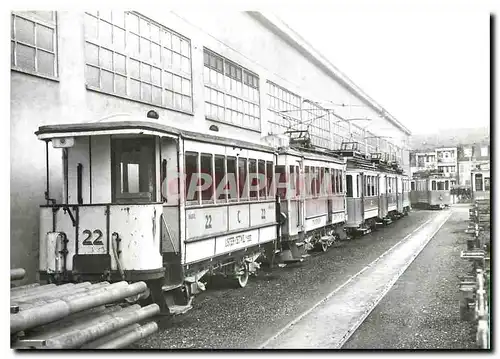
166, 70
37, 21
219, 93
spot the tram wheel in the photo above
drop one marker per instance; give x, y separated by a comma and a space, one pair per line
242, 278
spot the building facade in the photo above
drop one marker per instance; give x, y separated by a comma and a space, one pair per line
248, 74
471, 157
442, 159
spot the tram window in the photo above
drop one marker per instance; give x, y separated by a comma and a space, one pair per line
307, 177
349, 185
163, 180
262, 178
341, 174
325, 182
252, 175
231, 178
191, 168
447, 185
440, 185
297, 180
281, 178
270, 176
479, 181
313, 181
206, 173
373, 185
486, 183
333, 181
242, 178
219, 174
134, 169
433, 185
292, 180
319, 182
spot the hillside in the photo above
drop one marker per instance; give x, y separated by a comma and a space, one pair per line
449, 138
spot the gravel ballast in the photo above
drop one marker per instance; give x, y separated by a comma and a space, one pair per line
421, 311
245, 318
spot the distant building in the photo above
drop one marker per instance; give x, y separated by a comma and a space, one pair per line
471, 157
442, 159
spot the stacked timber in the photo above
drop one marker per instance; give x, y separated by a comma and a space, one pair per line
78, 316
475, 286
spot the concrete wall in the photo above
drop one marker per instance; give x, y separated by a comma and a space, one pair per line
36, 101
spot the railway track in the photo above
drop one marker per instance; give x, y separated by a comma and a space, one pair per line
331, 322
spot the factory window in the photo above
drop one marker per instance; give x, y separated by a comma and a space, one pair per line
231, 92
318, 123
131, 56
285, 109
33, 42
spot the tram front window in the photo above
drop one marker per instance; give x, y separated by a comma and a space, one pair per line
133, 170
440, 186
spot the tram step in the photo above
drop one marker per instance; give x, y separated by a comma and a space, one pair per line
169, 287
387, 221
179, 309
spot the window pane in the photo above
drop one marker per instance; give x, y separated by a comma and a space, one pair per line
191, 169
105, 33
118, 38
119, 18
231, 177
145, 49
242, 179
186, 87
92, 76
253, 179
145, 72
156, 76
184, 48
167, 58
155, 33
144, 28
168, 81
45, 63
135, 89
45, 37
187, 104
176, 43
105, 59
25, 31
177, 84
90, 27
133, 44
12, 51
157, 95
92, 54
155, 54
134, 68
177, 100
132, 22
121, 84
169, 98
166, 39
25, 57
206, 171
146, 92
119, 63
107, 81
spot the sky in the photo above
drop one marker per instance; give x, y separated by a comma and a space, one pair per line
428, 67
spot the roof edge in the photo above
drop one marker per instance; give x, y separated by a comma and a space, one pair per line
293, 38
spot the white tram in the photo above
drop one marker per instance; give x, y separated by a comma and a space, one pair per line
138, 204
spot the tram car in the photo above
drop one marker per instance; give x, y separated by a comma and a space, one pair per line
372, 191
431, 190
313, 204
146, 202
480, 183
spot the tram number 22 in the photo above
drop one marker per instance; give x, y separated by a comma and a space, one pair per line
208, 221
88, 239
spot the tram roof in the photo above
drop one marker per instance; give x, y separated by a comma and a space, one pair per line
140, 128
